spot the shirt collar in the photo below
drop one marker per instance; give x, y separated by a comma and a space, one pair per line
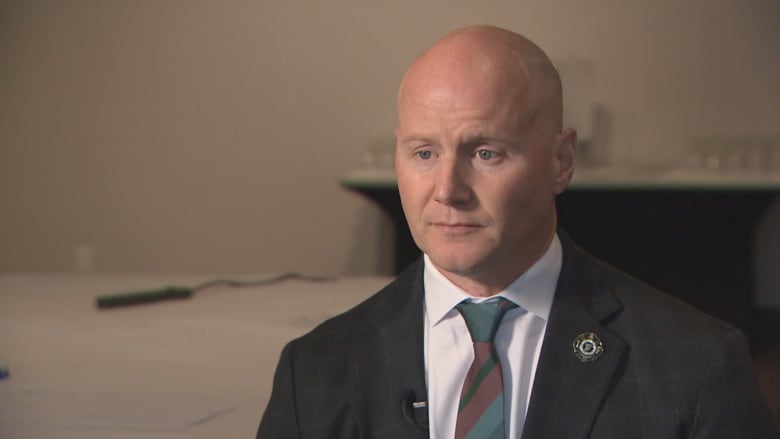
532, 291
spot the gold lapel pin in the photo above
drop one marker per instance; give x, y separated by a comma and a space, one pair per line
588, 347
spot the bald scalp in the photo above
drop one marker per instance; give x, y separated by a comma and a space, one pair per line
489, 54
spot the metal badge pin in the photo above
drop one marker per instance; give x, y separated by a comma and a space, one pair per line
588, 347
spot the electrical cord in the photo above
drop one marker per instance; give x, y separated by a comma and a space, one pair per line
179, 292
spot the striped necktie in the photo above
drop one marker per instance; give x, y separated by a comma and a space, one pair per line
481, 409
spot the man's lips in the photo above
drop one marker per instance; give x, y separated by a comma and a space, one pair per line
456, 227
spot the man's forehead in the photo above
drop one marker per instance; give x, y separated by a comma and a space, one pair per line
465, 96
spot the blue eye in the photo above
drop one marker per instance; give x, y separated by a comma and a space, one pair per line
484, 154
425, 154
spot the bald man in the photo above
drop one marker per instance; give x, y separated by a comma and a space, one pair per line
505, 328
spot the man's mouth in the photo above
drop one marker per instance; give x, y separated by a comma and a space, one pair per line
456, 227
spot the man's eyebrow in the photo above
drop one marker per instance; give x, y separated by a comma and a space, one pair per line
468, 140
475, 139
415, 138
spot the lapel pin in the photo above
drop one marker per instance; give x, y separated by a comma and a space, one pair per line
588, 347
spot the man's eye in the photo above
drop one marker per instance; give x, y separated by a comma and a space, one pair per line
484, 154
425, 154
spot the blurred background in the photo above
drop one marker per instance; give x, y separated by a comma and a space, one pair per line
211, 136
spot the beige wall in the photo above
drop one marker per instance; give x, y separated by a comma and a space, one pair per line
209, 136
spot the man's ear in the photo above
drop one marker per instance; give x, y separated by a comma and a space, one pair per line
565, 158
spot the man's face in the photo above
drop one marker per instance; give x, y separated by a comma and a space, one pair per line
477, 179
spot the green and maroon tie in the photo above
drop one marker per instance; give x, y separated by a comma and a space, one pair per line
481, 409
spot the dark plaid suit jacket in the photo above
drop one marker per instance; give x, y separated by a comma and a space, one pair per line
667, 371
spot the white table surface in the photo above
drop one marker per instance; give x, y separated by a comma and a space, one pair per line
193, 368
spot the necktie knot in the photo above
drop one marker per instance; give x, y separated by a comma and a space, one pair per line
483, 318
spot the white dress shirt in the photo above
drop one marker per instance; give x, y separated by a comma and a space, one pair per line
449, 351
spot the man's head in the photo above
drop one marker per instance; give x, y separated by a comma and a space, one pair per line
481, 155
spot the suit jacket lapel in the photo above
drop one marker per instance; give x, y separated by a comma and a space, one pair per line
395, 348
567, 392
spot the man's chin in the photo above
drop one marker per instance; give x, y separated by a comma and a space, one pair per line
460, 264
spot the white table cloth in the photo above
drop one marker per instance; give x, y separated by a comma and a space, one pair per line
195, 368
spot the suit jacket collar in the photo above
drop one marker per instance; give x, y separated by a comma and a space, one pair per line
568, 392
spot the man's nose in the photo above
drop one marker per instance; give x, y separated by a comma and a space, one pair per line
452, 187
